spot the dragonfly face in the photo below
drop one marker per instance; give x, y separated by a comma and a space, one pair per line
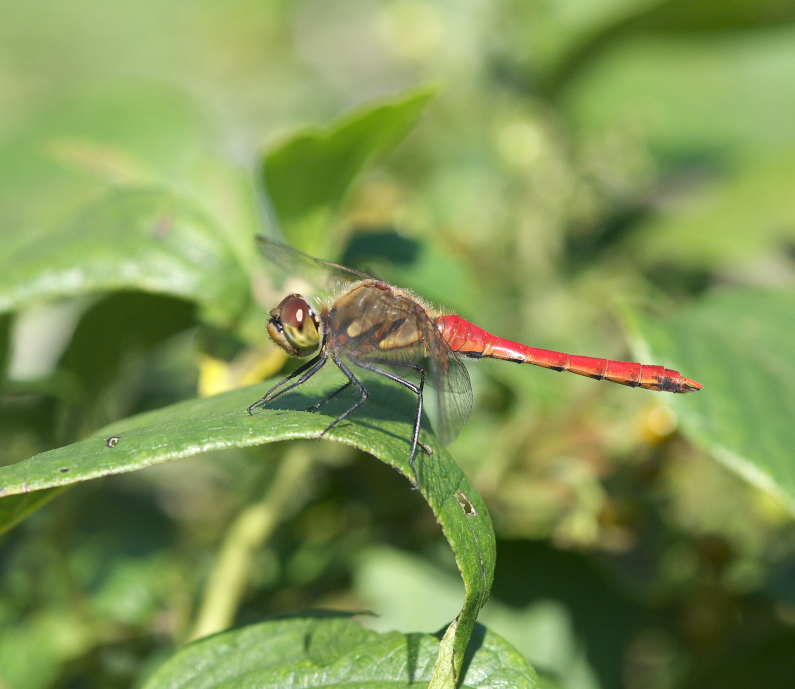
294, 326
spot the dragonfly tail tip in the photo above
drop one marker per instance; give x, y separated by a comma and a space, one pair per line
690, 385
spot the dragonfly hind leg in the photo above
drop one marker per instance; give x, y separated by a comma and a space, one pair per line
328, 399
352, 380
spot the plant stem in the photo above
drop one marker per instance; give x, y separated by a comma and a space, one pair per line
228, 578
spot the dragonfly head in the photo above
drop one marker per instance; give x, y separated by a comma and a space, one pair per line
294, 326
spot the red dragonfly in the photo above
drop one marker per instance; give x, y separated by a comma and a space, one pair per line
365, 323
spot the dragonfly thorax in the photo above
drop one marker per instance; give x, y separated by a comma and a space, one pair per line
294, 326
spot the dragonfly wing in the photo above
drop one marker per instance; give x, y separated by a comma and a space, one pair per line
450, 379
325, 276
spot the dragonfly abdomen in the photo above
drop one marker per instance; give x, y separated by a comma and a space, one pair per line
468, 339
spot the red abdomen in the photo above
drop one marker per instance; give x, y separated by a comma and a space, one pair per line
468, 339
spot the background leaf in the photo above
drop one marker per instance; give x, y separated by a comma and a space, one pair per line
739, 345
694, 98
748, 207
308, 174
317, 652
78, 145
133, 239
15, 508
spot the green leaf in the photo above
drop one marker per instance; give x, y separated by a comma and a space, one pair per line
133, 239
304, 652
73, 148
739, 345
222, 421
625, 20
693, 96
550, 631
308, 174
719, 224
443, 676
15, 508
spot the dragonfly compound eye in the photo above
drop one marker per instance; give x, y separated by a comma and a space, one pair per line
294, 326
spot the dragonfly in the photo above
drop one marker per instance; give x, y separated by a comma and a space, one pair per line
361, 323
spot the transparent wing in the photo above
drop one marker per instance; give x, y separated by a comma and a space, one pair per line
450, 379
324, 277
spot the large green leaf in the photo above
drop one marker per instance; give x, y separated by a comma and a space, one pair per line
218, 422
693, 96
739, 344
308, 174
718, 224
536, 613
132, 239
304, 652
70, 150
627, 19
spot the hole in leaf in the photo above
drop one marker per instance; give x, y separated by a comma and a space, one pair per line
466, 504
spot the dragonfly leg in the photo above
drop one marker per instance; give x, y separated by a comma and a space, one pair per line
417, 390
352, 380
328, 399
309, 369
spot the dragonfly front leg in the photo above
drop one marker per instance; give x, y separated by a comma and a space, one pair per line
309, 369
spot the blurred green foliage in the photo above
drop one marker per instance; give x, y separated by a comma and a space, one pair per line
608, 178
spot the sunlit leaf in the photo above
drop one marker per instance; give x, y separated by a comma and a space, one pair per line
222, 421
719, 223
308, 174
134, 239
694, 97
625, 20
739, 345
73, 148
540, 622
333, 651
